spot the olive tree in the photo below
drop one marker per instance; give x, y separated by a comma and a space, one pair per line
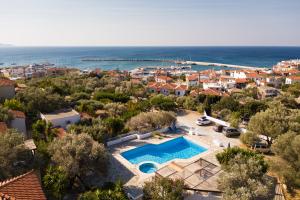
150, 121
164, 189
78, 154
243, 179
15, 158
274, 121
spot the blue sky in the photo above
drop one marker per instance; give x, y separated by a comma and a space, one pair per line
150, 22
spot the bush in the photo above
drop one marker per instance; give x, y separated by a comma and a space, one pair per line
115, 97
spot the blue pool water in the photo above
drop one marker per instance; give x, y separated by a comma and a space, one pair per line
177, 148
147, 168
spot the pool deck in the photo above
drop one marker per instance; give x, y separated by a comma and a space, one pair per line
122, 169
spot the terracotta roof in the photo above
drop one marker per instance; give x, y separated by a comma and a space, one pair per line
181, 87
241, 80
3, 127
193, 77
6, 82
61, 132
24, 187
296, 78
213, 92
252, 75
17, 114
166, 78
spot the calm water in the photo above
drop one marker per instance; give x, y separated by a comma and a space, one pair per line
164, 152
71, 56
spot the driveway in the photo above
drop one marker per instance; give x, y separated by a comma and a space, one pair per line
208, 135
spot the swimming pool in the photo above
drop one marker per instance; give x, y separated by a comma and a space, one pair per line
176, 148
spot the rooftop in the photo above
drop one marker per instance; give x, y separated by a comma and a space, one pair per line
6, 82
26, 186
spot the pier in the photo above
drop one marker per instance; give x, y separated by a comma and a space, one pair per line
219, 65
180, 62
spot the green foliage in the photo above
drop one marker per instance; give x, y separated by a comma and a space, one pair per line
274, 121
228, 154
113, 126
226, 103
115, 97
15, 159
80, 96
249, 138
5, 115
251, 108
287, 146
235, 119
42, 130
114, 192
150, 121
56, 181
245, 179
78, 154
39, 100
164, 189
88, 106
13, 104
163, 102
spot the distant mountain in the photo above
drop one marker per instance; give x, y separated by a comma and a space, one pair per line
5, 45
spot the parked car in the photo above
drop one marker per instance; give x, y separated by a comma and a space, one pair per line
218, 128
203, 121
230, 132
261, 148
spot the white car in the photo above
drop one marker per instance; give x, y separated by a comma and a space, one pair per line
202, 121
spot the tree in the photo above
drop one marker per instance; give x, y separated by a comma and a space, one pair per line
150, 121
56, 181
235, 119
227, 103
115, 109
287, 146
42, 130
113, 192
229, 154
162, 102
13, 104
274, 121
250, 108
15, 158
164, 189
78, 154
5, 115
244, 179
113, 126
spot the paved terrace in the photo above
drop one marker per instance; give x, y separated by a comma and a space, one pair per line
122, 169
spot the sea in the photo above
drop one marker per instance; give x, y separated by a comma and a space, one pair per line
74, 56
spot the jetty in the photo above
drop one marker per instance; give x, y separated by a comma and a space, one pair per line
179, 62
218, 65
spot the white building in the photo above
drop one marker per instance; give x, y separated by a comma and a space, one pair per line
292, 79
62, 118
212, 85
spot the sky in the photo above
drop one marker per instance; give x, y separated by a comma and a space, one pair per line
150, 22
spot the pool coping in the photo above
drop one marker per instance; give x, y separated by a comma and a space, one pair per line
134, 167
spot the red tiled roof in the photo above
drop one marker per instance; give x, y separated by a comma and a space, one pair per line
295, 78
181, 87
193, 77
17, 114
61, 132
6, 82
241, 80
166, 78
252, 75
24, 187
213, 92
3, 127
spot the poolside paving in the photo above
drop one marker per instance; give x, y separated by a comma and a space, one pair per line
122, 169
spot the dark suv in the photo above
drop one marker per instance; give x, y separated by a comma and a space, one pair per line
230, 132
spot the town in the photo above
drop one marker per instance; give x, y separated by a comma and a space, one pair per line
67, 133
